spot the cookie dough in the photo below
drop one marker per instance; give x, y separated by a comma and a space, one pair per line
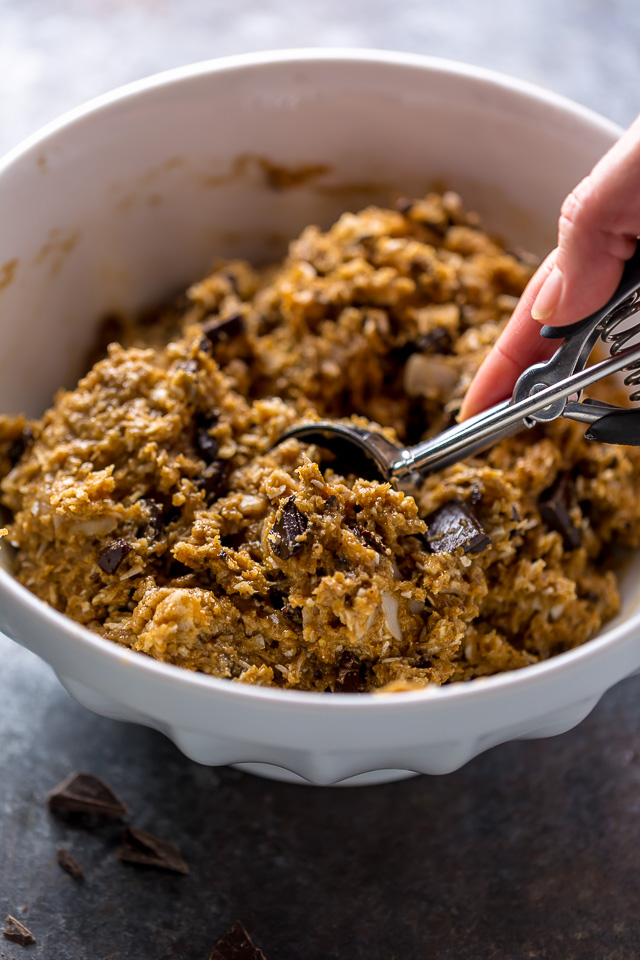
151, 505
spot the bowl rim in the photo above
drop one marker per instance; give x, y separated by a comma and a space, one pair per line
480, 687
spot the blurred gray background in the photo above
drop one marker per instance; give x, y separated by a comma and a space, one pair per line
528, 853
55, 54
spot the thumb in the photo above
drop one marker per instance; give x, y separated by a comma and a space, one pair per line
597, 232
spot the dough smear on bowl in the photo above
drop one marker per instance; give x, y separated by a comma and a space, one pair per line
150, 505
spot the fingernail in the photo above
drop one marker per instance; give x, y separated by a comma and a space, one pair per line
548, 297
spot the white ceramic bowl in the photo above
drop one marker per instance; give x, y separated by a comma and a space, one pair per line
126, 200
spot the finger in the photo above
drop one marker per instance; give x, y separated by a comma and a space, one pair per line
518, 346
597, 232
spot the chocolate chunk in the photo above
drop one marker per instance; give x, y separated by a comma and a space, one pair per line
84, 793
286, 535
213, 479
372, 540
206, 445
138, 846
112, 556
223, 330
236, 945
17, 932
554, 506
453, 525
348, 678
69, 864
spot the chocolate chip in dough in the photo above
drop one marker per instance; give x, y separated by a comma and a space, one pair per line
348, 679
138, 846
372, 540
155, 526
222, 330
453, 525
206, 445
17, 932
84, 793
287, 532
21, 445
236, 944
112, 556
437, 340
69, 864
554, 506
213, 479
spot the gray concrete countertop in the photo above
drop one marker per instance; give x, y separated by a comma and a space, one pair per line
530, 851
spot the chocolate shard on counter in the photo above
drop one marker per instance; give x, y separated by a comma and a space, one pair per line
222, 330
84, 793
554, 506
17, 932
453, 525
287, 533
141, 847
69, 864
236, 944
112, 556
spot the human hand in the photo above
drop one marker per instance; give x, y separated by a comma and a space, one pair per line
598, 230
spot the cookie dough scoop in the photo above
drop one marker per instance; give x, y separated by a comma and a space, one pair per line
544, 392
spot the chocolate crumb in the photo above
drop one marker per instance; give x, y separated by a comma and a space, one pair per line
348, 679
84, 793
17, 932
69, 864
236, 944
112, 556
145, 849
221, 330
554, 506
286, 535
453, 525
